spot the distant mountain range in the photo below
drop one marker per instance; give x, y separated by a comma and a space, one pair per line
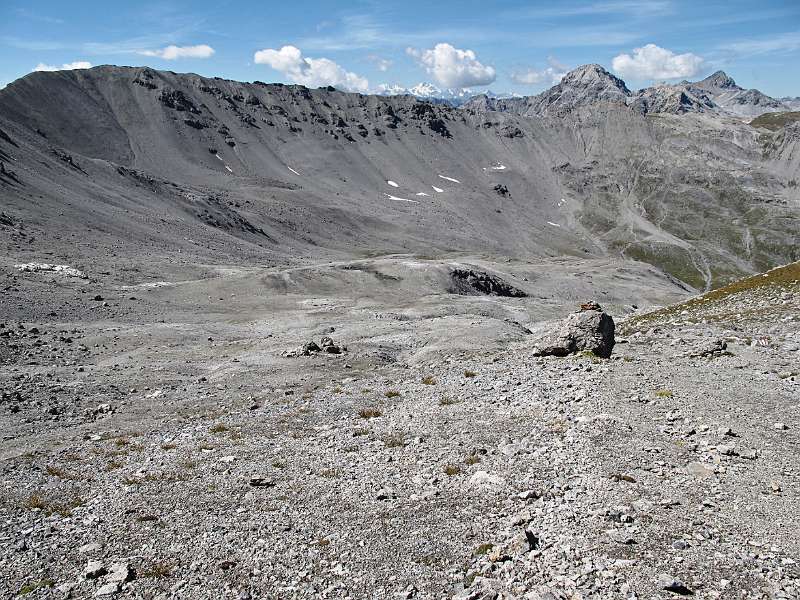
585, 85
432, 93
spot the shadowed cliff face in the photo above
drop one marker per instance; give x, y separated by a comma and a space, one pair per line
123, 162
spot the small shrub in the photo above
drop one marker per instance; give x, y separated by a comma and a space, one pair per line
121, 441
338, 390
451, 470
483, 549
429, 380
469, 374
391, 393
279, 464
472, 459
360, 431
369, 413
219, 428
330, 473
169, 446
664, 393
113, 465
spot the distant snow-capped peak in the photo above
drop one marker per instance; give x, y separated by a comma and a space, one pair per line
429, 91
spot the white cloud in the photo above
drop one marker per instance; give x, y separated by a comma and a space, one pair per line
382, 64
176, 52
452, 67
784, 42
654, 62
78, 64
312, 72
552, 74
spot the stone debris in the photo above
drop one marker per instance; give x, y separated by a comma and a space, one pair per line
327, 345
588, 330
65, 270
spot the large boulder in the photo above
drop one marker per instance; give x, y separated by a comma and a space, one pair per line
590, 329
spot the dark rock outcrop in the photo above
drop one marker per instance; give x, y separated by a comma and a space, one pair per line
468, 282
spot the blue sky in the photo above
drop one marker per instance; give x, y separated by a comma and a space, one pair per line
509, 46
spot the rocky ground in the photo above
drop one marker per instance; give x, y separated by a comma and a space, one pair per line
195, 460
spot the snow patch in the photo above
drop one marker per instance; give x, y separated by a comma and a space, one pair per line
497, 167
553, 224
450, 179
229, 169
392, 183
399, 199
218, 156
422, 194
292, 170
438, 190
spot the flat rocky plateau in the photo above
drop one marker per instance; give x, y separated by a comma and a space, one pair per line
188, 454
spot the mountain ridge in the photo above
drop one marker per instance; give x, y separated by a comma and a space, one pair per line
281, 172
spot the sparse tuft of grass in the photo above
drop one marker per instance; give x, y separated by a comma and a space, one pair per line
156, 570
29, 588
279, 464
391, 393
447, 401
38, 502
469, 374
590, 355
483, 549
451, 470
338, 390
330, 473
219, 428
664, 393
394, 440
113, 465
169, 446
121, 441
56, 471
369, 413
429, 380
472, 459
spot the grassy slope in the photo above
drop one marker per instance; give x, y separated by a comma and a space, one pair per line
708, 306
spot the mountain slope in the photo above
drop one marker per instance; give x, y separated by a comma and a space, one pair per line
737, 100
132, 160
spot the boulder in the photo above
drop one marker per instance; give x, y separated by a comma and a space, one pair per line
588, 330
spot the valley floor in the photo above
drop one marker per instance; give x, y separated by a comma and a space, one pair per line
177, 459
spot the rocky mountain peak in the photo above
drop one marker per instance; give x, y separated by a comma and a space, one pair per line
720, 80
596, 77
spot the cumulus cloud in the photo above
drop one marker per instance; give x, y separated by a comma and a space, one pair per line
452, 67
654, 62
312, 72
176, 52
553, 74
78, 64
